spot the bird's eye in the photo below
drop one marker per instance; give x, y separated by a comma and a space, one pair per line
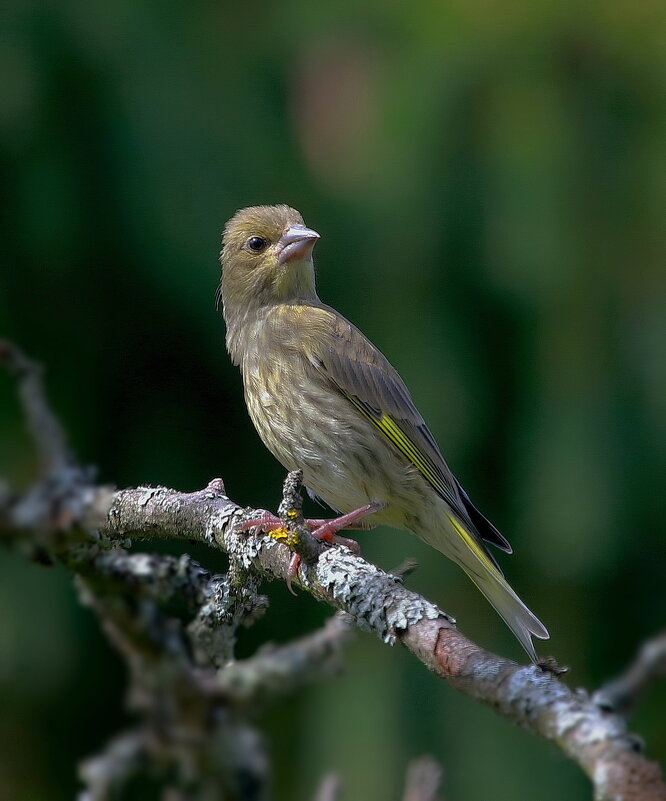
256, 244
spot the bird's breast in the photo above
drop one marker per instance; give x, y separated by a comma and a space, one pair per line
298, 420
308, 424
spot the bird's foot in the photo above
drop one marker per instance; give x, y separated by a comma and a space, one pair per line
322, 529
327, 530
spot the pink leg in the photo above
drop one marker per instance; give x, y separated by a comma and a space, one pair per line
317, 522
328, 530
322, 528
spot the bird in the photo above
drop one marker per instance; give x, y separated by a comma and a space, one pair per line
326, 401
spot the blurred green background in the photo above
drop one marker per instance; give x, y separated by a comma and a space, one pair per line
489, 183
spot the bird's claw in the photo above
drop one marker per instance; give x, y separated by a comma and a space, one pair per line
292, 572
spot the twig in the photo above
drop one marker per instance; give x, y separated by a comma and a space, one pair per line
405, 568
330, 788
622, 693
424, 778
275, 671
106, 774
45, 428
57, 499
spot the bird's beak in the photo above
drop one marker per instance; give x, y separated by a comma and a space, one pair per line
296, 243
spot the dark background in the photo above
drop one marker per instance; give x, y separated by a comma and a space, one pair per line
488, 180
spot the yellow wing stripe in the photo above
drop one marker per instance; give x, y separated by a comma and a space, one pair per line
474, 546
389, 427
392, 430
398, 437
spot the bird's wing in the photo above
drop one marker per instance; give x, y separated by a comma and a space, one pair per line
481, 523
368, 380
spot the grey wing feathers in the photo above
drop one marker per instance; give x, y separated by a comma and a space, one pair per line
373, 385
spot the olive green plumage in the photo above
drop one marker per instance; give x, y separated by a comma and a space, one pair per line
325, 400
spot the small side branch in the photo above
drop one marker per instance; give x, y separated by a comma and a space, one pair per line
424, 779
45, 429
276, 671
330, 788
107, 774
623, 693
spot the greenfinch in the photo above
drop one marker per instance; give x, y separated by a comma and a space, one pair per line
326, 401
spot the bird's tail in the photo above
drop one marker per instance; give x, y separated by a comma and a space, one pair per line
469, 552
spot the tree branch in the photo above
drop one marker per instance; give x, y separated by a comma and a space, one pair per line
530, 696
377, 601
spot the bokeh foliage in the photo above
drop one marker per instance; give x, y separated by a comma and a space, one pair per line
489, 183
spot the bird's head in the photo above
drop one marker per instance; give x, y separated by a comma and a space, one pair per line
266, 259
